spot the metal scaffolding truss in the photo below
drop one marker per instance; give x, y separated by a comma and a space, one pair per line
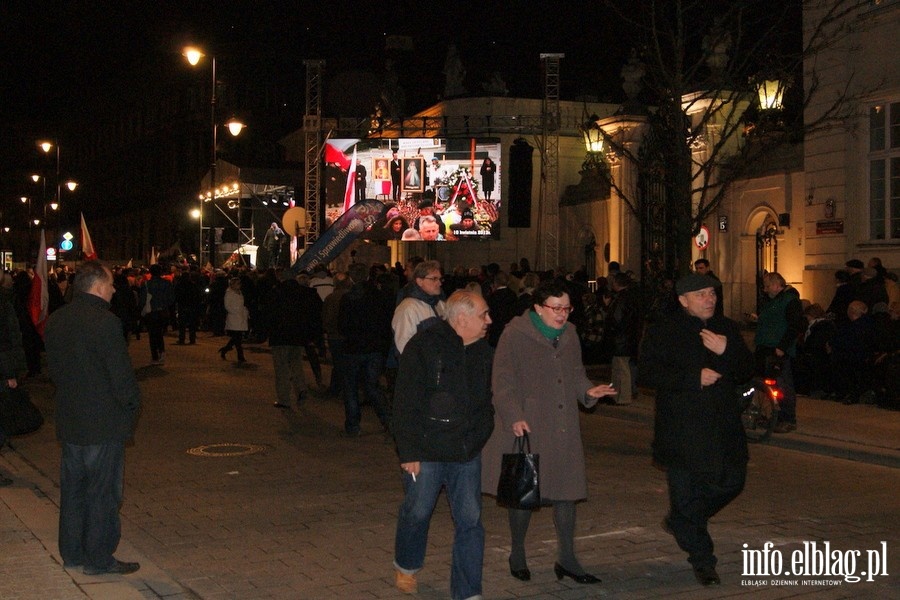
548, 229
312, 127
448, 126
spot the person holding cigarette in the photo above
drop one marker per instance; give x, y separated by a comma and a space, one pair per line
442, 418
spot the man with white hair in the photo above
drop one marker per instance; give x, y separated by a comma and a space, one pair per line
442, 418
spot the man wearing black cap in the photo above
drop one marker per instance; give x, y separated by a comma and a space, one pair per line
694, 358
855, 267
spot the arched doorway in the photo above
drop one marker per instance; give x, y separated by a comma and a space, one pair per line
765, 224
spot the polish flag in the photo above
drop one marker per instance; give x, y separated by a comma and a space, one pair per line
38, 298
350, 192
87, 246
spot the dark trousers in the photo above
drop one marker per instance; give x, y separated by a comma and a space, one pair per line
693, 499
90, 490
338, 365
156, 322
369, 367
236, 341
188, 317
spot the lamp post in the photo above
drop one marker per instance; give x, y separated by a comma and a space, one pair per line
47, 146
594, 172
193, 56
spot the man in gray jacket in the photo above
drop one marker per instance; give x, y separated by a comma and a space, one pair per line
97, 402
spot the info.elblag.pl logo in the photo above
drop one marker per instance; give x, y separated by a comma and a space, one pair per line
830, 566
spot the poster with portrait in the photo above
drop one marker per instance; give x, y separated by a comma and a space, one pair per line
381, 169
413, 170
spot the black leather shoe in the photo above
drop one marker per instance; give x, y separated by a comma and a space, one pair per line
707, 576
563, 572
523, 574
117, 568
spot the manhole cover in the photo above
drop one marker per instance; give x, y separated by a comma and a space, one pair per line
225, 450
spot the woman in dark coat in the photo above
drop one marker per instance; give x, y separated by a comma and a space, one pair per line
538, 382
488, 171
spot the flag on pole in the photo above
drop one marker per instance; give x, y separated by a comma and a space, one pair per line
350, 192
38, 298
87, 246
154, 256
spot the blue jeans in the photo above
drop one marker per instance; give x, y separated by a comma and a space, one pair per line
463, 482
90, 491
371, 366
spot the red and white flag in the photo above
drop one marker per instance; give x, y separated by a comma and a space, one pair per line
38, 298
87, 246
350, 192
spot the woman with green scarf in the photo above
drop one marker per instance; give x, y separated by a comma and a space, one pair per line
538, 382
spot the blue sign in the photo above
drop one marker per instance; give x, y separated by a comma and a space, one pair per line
65, 245
341, 234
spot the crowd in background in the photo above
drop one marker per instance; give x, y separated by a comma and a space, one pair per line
846, 352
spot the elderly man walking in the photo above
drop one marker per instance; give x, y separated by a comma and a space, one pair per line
694, 358
442, 418
97, 401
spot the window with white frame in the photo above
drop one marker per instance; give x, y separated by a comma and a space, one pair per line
884, 171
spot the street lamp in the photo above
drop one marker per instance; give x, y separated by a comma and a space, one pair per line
194, 56
771, 94
47, 146
594, 171
593, 135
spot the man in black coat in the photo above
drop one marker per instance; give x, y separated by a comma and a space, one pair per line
97, 401
287, 331
188, 299
502, 304
442, 419
694, 359
622, 335
364, 319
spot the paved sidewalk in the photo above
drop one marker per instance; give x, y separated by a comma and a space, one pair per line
328, 508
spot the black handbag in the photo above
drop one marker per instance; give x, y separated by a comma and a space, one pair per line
519, 485
18, 414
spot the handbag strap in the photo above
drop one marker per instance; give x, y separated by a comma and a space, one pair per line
522, 445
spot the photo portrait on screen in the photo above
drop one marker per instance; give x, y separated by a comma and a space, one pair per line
413, 175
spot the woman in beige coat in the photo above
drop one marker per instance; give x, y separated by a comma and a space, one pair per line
538, 381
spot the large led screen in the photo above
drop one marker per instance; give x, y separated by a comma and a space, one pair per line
434, 189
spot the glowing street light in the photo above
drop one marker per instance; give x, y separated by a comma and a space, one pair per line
194, 55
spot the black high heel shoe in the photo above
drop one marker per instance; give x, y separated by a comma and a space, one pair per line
523, 574
561, 572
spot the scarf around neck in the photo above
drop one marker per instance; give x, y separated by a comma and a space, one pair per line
551, 333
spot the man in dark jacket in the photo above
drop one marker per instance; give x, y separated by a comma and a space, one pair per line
287, 332
188, 299
694, 359
502, 303
97, 401
778, 327
443, 417
622, 333
12, 356
364, 319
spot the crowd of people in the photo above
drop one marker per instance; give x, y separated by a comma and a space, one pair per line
457, 364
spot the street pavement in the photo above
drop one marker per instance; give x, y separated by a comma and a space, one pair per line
229, 497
